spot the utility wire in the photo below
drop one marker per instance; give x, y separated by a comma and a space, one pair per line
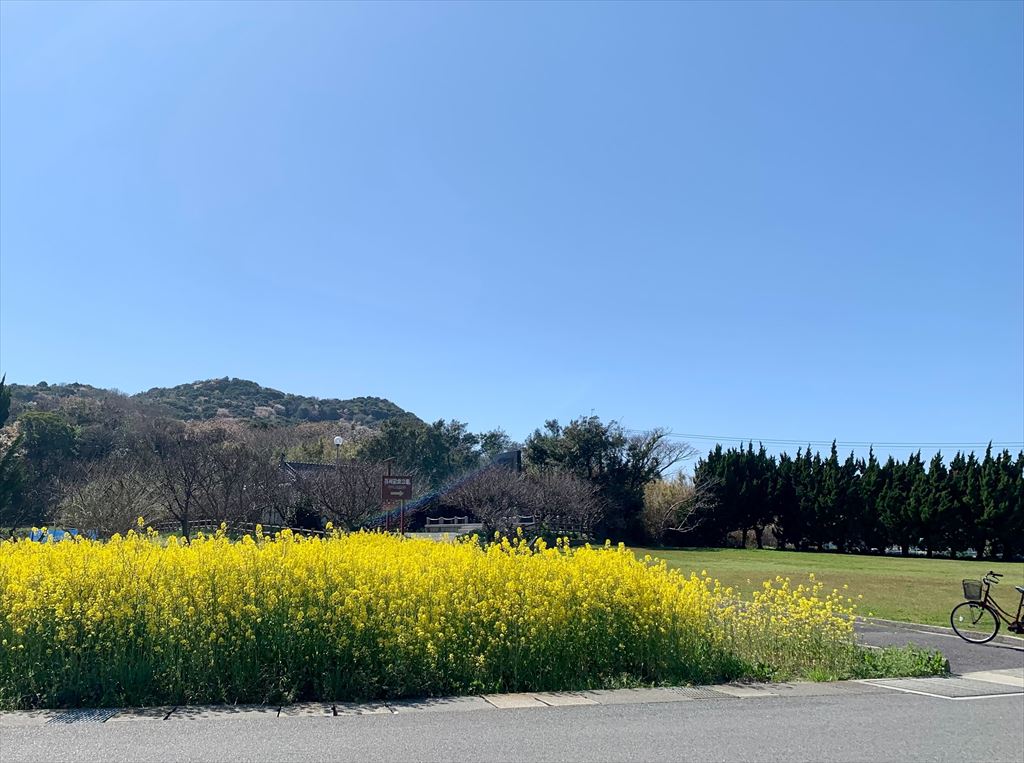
841, 443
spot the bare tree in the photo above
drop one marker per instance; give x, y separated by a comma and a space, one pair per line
497, 497
348, 494
266, 490
244, 482
672, 506
183, 468
566, 502
214, 471
557, 500
109, 496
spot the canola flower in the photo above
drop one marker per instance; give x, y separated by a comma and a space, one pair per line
141, 620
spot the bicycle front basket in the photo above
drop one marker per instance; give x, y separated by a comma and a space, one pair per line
972, 590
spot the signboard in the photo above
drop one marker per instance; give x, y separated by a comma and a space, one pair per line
395, 489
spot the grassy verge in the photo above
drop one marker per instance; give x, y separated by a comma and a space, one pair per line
913, 590
900, 661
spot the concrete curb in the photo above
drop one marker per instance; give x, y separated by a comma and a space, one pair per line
1006, 640
984, 684
477, 702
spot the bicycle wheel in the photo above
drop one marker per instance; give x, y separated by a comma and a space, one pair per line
974, 622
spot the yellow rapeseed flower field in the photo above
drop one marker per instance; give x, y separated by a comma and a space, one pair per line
141, 620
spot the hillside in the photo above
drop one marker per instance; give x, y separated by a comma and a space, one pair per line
220, 398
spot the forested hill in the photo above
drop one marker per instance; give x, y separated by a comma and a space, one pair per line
222, 398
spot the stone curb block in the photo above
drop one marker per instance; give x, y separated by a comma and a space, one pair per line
221, 712
563, 698
438, 704
492, 702
133, 714
27, 717
513, 701
361, 708
307, 710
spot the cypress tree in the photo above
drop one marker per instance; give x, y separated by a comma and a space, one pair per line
825, 488
935, 507
783, 504
865, 505
848, 519
806, 498
895, 511
955, 532
870, 486
1002, 513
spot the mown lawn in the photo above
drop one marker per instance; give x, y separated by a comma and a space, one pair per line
915, 590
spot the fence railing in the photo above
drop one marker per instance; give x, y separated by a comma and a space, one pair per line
448, 521
242, 527
555, 524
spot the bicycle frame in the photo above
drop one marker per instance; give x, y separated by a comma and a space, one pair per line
989, 600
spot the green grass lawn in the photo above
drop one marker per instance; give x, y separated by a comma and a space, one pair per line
914, 589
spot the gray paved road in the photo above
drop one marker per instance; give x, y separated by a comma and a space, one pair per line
857, 727
963, 657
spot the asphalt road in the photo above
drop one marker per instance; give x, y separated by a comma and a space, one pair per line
1006, 652
857, 727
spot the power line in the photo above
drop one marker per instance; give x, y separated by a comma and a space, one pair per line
841, 443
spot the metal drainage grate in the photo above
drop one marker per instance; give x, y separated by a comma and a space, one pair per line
84, 716
699, 692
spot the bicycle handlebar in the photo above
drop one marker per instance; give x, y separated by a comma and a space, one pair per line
992, 574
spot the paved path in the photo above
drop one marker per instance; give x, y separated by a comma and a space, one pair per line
1006, 652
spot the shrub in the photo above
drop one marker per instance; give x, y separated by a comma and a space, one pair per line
905, 661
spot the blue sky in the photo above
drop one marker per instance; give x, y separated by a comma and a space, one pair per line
798, 221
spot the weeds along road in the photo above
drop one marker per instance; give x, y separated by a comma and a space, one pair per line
873, 726
1003, 652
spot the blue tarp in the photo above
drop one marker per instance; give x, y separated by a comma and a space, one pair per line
41, 536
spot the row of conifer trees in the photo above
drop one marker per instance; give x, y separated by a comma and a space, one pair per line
968, 506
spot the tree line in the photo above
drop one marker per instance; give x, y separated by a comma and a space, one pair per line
100, 462
220, 398
968, 506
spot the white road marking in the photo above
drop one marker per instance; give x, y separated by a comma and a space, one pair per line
875, 682
906, 691
988, 696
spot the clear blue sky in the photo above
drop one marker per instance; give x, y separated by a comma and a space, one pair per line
797, 221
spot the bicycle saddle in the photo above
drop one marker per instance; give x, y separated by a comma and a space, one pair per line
1020, 588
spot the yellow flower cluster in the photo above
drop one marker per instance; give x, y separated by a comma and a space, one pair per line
791, 630
139, 619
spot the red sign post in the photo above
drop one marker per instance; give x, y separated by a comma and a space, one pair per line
393, 488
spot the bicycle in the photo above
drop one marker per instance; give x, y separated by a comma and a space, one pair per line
977, 620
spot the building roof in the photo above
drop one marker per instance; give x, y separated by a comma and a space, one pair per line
296, 469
